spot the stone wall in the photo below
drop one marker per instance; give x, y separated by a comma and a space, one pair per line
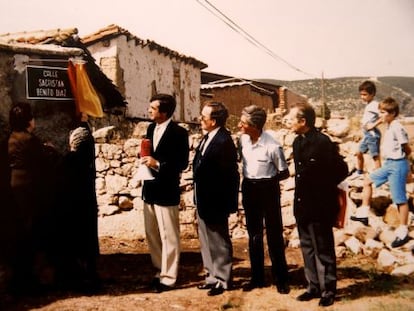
121, 208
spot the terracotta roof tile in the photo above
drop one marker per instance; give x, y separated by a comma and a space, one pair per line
53, 36
113, 31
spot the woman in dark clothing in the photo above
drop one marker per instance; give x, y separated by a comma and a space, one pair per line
30, 174
78, 213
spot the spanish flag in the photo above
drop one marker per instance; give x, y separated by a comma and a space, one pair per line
86, 98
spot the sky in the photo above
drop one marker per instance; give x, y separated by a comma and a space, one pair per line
286, 40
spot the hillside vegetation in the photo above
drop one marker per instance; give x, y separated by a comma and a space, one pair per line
341, 94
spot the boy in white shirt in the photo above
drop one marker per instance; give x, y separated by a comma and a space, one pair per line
372, 136
395, 150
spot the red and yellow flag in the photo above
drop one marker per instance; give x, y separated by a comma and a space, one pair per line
86, 99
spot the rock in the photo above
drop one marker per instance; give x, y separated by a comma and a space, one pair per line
387, 236
294, 243
372, 248
338, 127
239, 233
107, 210
364, 233
403, 270
340, 237
340, 251
125, 203
115, 183
104, 133
385, 259
353, 245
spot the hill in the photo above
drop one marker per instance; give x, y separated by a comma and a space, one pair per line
341, 94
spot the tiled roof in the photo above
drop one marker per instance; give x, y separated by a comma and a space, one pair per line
221, 85
49, 49
53, 36
113, 31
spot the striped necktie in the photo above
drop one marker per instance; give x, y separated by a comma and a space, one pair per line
202, 143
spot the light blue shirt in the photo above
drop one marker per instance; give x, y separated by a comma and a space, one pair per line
371, 115
263, 159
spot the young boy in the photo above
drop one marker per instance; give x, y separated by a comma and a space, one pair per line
370, 120
395, 151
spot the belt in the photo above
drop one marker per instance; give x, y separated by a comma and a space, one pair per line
259, 180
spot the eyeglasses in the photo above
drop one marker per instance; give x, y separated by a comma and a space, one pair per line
203, 118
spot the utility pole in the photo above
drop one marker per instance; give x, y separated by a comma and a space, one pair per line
323, 97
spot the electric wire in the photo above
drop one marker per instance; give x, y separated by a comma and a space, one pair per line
235, 27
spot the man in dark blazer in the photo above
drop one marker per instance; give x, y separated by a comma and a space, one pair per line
216, 186
161, 195
315, 204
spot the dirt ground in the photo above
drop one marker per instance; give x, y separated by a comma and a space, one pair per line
125, 269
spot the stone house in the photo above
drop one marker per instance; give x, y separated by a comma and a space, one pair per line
53, 106
140, 68
33, 68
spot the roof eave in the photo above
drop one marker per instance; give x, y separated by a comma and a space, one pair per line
49, 49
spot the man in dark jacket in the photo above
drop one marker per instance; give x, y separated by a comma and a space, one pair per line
315, 204
161, 195
216, 182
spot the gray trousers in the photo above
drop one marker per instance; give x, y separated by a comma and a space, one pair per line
318, 250
216, 251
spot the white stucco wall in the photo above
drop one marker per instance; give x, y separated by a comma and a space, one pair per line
141, 66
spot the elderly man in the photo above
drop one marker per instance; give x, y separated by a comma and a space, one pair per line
264, 165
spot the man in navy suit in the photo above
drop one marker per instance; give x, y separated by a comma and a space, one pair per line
161, 195
216, 186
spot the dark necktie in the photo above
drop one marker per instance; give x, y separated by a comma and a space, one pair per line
199, 150
202, 143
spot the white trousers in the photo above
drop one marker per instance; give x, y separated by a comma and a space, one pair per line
162, 229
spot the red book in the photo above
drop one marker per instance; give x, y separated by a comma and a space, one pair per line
145, 147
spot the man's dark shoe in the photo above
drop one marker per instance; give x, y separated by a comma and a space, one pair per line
306, 296
154, 282
327, 300
252, 285
218, 289
399, 242
283, 288
206, 286
364, 220
162, 288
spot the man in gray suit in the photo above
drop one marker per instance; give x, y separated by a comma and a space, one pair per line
216, 183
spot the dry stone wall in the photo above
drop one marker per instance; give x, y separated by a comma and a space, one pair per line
121, 207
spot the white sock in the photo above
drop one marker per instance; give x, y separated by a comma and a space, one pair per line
401, 232
362, 211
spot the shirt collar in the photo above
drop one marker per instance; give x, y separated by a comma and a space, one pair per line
164, 124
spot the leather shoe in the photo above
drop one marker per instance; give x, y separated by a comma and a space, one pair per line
252, 285
216, 290
162, 288
399, 242
364, 220
154, 282
306, 296
206, 286
327, 301
283, 288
